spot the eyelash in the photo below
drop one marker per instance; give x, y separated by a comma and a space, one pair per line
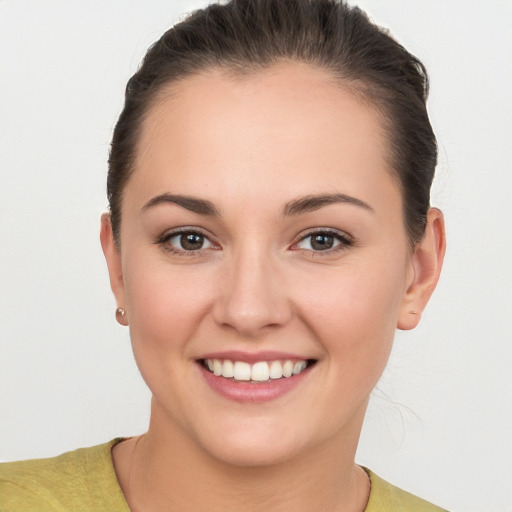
343, 241
163, 241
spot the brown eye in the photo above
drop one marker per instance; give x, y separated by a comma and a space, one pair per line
189, 241
324, 241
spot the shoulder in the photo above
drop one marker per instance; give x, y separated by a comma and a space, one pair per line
77, 480
385, 497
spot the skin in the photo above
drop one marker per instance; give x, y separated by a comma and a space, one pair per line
251, 146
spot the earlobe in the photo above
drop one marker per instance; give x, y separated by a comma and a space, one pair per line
427, 261
113, 259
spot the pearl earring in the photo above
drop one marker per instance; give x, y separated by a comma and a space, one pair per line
121, 316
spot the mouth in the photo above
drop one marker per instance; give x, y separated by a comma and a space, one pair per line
256, 373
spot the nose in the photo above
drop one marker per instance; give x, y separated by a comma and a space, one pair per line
253, 296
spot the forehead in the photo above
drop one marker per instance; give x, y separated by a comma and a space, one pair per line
289, 127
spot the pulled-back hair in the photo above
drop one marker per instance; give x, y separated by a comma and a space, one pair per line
243, 36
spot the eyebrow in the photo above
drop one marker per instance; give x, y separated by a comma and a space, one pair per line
297, 206
201, 206
315, 202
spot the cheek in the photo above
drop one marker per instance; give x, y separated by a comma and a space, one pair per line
165, 302
353, 312
166, 305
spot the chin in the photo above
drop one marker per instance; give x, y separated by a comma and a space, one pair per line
253, 447
255, 455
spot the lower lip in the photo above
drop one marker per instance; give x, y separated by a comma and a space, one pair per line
243, 391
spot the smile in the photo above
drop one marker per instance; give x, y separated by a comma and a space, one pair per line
261, 371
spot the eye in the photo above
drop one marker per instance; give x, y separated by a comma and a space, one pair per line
189, 241
185, 242
324, 241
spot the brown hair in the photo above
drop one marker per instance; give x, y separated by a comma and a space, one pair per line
245, 35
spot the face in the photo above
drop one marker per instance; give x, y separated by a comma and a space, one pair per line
262, 233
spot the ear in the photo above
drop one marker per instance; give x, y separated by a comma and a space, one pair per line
426, 262
113, 257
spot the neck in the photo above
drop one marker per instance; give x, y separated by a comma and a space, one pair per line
165, 470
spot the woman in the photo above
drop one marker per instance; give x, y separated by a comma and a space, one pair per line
269, 230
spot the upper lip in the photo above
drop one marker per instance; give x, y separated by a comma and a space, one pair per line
254, 357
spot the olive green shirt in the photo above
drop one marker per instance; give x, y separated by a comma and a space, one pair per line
85, 481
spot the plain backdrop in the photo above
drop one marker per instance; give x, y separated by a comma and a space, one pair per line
439, 423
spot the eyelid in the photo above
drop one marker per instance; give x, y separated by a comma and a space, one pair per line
345, 240
343, 237
163, 239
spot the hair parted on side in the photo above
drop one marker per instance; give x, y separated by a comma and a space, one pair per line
243, 36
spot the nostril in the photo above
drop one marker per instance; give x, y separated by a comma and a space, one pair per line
249, 316
250, 298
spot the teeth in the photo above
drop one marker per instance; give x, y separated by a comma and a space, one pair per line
261, 371
298, 367
217, 367
242, 371
287, 369
227, 369
276, 370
